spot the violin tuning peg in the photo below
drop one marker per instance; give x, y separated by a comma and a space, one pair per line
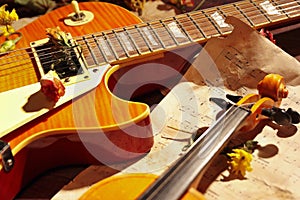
221, 102
234, 98
277, 115
294, 115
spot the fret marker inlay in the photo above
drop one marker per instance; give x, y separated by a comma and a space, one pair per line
219, 20
149, 36
105, 47
175, 30
269, 8
125, 41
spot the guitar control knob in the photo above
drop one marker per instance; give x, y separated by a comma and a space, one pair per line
78, 17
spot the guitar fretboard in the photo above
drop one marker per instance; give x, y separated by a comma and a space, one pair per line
198, 26
145, 39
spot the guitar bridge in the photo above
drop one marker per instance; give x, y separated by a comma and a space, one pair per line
66, 61
6, 156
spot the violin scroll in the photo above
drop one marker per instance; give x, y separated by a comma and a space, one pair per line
273, 86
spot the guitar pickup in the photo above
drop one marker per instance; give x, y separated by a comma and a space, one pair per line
6, 156
67, 61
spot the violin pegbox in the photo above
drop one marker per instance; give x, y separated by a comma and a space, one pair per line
274, 87
263, 105
271, 90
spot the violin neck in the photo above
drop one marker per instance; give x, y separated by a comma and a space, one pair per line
175, 181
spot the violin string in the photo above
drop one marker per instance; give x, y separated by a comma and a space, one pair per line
27, 50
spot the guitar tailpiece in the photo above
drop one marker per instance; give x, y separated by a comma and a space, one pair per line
6, 156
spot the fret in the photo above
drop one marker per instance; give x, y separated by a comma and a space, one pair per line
105, 60
109, 45
232, 10
188, 27
153, 39
291, 9
204, 24
95, 62
163, 35
144, 39
105, 47
250, 23
119, 42
212, 22
132, 41
155, 34
172, 29
218, 19
270, 10
116, 45
250, 10
198, 26
198, 29
279, 8
179, 31
86, 51
126, 43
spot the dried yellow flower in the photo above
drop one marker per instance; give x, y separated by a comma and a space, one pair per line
240, 161
6, 20
57, 36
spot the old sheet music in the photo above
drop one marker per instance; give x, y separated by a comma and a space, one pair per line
243, 59
234, 65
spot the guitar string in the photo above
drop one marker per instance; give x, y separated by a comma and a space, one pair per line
80, 37
56, 52
202, 18
113, 59
43, 58
249, 16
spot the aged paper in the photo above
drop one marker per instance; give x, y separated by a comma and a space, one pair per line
243, 58
226, 65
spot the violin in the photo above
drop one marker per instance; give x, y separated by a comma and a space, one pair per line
179, 181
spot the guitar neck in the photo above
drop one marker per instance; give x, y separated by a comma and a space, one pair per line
130, 42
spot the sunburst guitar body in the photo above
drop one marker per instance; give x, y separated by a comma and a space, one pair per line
91, 126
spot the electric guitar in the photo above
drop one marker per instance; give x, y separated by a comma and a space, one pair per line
37, 134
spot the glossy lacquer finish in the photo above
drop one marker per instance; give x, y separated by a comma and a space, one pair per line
96, 127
